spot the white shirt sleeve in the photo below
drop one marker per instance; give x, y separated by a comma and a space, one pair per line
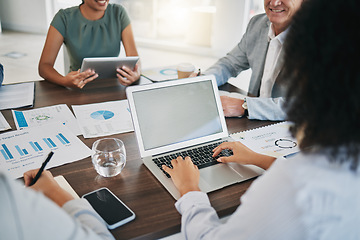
266, 108
26, 214
267, 211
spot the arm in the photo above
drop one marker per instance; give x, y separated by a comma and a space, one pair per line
266, 108
258, 108
74, 79
268, 210
125, 75
28, 214
231, 65
243, 155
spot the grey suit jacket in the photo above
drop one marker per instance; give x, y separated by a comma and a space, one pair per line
251, 53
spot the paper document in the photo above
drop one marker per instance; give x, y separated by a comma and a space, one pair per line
16, 95
4, 125
22, 150
103, 119
273, 140
40, 116
161, 73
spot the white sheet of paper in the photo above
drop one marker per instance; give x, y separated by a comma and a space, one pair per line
273, 140
4, 125
40, 116
16, 95
22, 150
103, 119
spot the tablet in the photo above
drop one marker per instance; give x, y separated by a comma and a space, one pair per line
106, 66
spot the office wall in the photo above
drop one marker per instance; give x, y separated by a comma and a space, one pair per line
26, 15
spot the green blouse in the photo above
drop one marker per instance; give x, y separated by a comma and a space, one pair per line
86, 38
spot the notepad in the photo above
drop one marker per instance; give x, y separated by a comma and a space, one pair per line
274, 140
66, 186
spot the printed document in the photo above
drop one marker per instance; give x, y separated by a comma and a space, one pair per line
22, 150
16, 95
273, 140
103, 119
40, 116
4, 125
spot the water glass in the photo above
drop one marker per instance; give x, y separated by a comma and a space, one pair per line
109, 156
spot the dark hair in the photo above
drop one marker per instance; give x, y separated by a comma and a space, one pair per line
322, 53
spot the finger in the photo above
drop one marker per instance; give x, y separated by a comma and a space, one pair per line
87, 80
166, 169
227, 159
29, 176
124, 73
123, 81
221, 147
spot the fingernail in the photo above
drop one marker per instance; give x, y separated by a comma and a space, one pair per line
219, 160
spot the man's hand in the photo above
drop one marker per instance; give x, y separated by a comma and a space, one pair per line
184, 174
232, 106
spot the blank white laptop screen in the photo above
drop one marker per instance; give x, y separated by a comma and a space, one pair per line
192, 113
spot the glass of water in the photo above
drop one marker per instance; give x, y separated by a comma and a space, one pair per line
109, 156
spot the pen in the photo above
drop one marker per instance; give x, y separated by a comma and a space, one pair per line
43, 165
199, 72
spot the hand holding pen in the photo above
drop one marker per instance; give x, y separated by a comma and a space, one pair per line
28, 176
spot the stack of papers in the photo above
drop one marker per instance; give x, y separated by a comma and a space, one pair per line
16, 95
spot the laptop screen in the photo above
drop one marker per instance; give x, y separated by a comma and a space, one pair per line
174, 114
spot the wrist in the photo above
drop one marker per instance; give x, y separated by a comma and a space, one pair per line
245, 108
188, 189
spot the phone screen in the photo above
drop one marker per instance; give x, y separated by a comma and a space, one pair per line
109, 207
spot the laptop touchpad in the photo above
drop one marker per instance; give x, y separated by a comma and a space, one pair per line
219, 175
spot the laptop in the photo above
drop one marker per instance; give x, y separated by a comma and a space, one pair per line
184, 115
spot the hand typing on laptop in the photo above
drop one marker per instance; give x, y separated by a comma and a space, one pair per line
185, 175
243, 155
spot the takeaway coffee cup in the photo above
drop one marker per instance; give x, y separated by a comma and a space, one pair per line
185, 69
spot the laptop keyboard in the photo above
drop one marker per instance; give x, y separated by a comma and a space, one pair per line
201, 156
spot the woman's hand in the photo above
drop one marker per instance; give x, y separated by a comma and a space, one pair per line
184, 174
77, 79
48, 186
243, 155
127, 76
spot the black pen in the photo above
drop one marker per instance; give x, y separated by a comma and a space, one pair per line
43, 165
199, 72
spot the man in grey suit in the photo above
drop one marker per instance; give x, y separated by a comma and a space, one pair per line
261, 50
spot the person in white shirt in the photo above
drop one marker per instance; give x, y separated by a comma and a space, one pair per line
315, 194
260, 49
46, 211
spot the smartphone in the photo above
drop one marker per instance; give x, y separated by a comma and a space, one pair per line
114, 212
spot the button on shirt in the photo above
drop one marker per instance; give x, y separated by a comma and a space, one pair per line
272, 69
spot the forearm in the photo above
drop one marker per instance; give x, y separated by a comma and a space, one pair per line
262, 161
48, 72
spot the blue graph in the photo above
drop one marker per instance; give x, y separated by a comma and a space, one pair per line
102, 115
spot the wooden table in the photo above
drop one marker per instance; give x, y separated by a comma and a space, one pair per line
156, 215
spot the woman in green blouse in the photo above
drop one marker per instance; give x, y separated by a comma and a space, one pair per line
93, 29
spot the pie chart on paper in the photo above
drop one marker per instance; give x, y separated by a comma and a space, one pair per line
102, 115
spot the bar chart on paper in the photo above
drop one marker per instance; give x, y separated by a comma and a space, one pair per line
40, 116
23, 150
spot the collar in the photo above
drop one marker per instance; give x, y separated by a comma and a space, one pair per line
281, 37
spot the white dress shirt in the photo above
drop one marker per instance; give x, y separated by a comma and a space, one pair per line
304, 197
271, 69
